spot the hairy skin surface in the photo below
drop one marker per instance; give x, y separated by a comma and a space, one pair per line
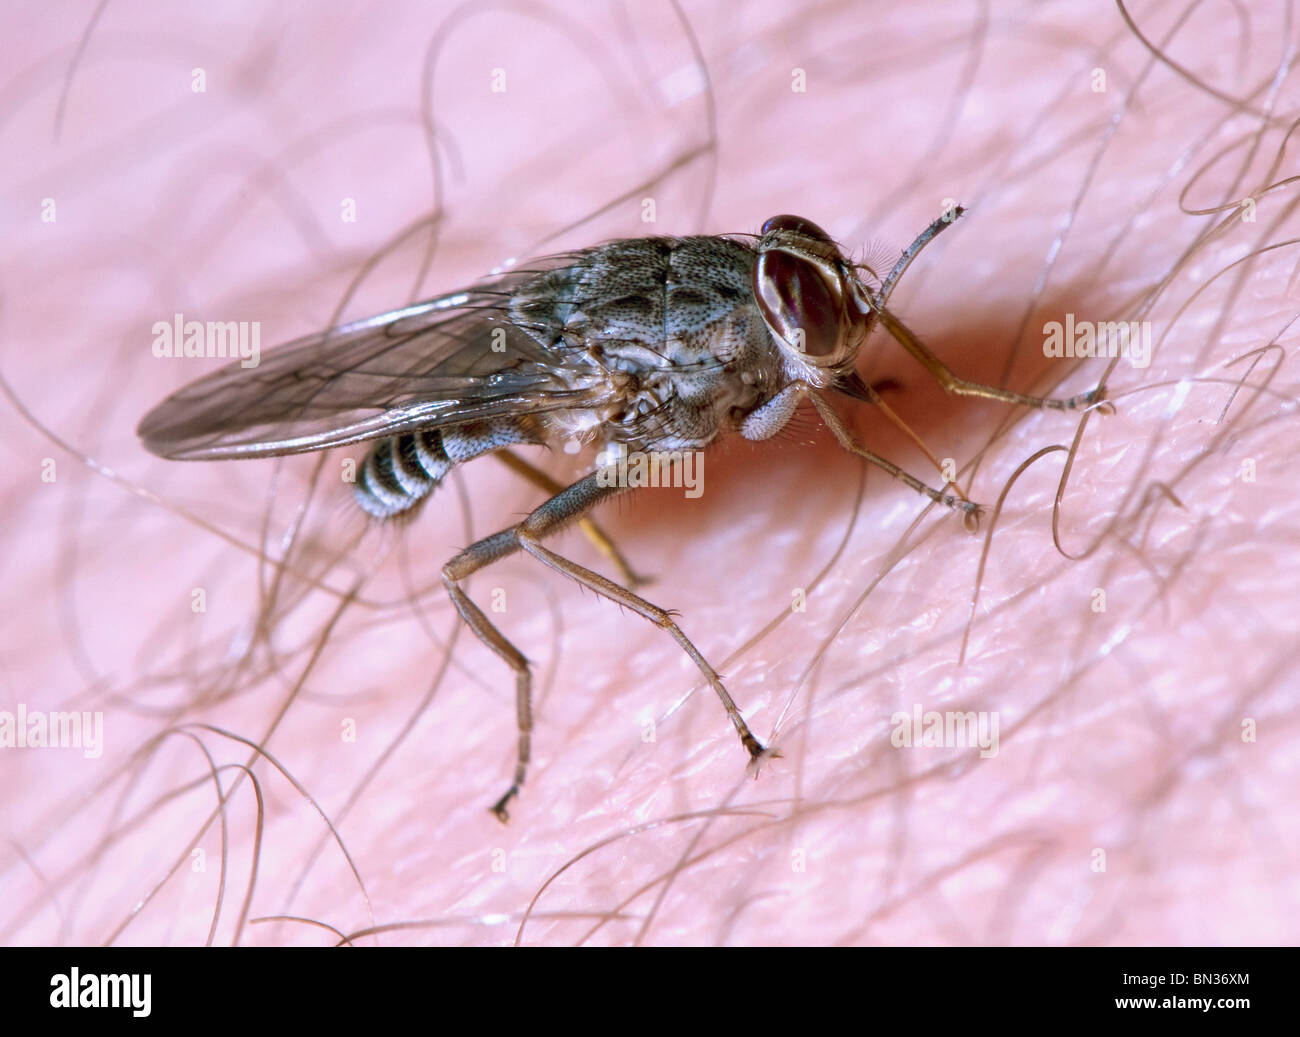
1142, 791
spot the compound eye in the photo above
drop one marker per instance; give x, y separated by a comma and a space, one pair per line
797, 225
797, 303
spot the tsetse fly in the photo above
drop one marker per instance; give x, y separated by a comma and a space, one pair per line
651, 344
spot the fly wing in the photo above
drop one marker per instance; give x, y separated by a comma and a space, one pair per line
436, 363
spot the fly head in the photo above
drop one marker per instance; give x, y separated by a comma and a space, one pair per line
810, 299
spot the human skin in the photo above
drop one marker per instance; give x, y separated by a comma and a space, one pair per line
1142, 787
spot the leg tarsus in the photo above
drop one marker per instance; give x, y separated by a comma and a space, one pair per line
499, 808
1092, 398
757, 759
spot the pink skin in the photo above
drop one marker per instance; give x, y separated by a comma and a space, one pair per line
1123, 805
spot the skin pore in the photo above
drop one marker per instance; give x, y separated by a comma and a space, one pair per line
1140, 672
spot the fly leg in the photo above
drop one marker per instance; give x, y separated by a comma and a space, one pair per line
564, 507
958, 501
473, 558
855, 387
961, 387
771, 417
599, 539
951, 382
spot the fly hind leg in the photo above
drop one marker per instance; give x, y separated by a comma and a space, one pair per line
473, 558
566, 506
594, 533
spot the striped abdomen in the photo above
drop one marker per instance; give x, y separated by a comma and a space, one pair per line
401, 471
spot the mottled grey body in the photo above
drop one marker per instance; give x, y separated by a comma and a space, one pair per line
664, 330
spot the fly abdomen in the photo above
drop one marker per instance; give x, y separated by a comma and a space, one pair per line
400, 472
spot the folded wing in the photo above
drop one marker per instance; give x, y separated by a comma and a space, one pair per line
462, 357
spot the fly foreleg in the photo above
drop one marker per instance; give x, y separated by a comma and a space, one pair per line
770, 418
961, 387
